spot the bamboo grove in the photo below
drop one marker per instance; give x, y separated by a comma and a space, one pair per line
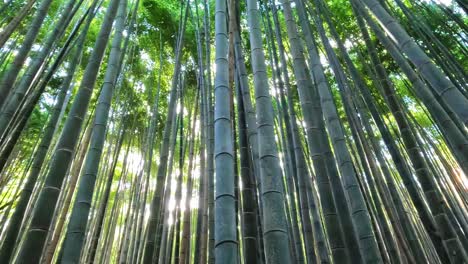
224, 131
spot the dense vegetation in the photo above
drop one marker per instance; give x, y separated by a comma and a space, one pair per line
223, 131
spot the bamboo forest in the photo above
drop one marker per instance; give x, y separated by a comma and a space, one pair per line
234, 131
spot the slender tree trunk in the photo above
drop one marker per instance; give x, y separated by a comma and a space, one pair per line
41, 153
358, 209
8, 79
43, 212
74, 238
275, 230
13, 24
441, 85
225, 214
23, 116
16, 97
96, 235
184, 250
454, 136
74, 172
439, 210
316, 132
